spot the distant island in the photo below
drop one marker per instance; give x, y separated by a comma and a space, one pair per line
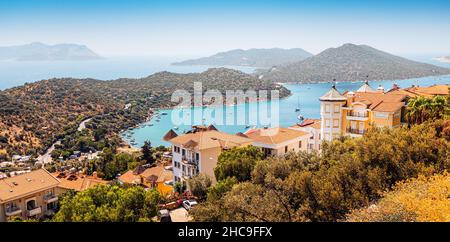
351, 62
41, 52
444, 59
252, 58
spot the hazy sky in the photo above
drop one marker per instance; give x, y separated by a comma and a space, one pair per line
196, 28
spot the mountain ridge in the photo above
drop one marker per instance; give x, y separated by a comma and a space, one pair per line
251, 57
351, 62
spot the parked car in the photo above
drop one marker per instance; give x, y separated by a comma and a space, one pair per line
164, 216
188, 204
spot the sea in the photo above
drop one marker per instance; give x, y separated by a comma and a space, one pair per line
305, 97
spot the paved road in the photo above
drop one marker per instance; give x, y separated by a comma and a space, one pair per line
47, 157
83, 124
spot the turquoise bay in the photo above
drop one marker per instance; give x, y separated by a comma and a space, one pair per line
304, 95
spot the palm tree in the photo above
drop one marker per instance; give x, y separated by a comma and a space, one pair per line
438, 106
421, 109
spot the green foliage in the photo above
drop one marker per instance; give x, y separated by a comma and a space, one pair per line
421, 109
221, 188
199, 185
178, 187
109, 204
147, 153
237, 162
349, 174
108, 166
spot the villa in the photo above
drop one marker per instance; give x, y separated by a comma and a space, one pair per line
197, 151
352, 113
29, 195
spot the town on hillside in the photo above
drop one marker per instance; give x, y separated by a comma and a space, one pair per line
196, 166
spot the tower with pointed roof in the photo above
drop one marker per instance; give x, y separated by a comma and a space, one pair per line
330, 114
365, 88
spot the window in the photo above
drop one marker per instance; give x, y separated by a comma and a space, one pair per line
51, 206
336, 108
361, 126
183, 152
336, 123
267, 151
300, 144
285, 149
327, 108
327, 123
197, 156
184, 168
11, 206
176, 149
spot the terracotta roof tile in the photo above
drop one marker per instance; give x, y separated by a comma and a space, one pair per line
210, 139
274, 135
24, 184
78, 182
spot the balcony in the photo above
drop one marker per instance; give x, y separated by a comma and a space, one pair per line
34, 212
357, 116
49, 198
356, 131
13, 211
189, 161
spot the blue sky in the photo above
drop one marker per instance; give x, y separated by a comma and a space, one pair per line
196, 28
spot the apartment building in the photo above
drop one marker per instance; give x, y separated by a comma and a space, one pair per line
197, 151
278, 140
353, 113
29, 195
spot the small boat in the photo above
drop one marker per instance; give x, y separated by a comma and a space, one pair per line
164, 113
247, 126
175, 128
300, 117
298, 105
